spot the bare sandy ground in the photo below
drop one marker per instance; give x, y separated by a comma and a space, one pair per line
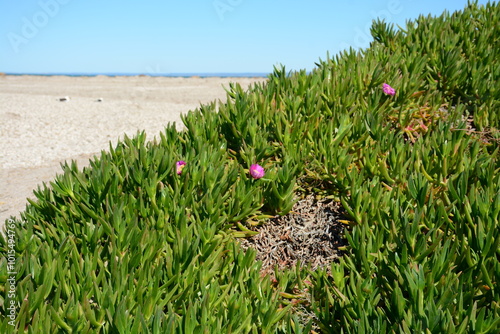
38, 131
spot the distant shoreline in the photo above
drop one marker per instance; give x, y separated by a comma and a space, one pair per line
165, 75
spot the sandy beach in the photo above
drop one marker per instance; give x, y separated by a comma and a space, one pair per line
46, 120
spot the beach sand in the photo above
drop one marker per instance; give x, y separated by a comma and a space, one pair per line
38, 131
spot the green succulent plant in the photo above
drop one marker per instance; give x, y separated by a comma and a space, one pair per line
404, 134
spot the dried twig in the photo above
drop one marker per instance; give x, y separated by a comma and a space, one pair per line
311, 233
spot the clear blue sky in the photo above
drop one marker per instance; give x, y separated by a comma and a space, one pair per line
200, 36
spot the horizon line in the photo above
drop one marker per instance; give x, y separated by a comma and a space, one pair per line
132, 74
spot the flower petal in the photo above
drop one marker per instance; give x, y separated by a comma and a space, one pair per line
257, 171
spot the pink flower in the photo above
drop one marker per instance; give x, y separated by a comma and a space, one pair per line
180, 166
388, 89
256, 171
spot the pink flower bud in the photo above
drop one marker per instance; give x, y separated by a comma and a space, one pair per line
388, 89
180, 166
256, 171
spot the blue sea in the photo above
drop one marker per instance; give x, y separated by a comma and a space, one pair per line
174, 75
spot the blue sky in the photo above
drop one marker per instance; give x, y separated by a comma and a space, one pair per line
200, 36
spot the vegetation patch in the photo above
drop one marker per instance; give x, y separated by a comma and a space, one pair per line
401, 138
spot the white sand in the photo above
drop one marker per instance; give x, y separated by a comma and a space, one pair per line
38, 131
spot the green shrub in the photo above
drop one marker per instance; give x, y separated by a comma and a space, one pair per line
133, 245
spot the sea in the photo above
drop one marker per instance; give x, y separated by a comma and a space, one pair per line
173, 75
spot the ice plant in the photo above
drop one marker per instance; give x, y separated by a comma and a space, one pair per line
423, 126
180, 166
409, 128
256, 171
388, 89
